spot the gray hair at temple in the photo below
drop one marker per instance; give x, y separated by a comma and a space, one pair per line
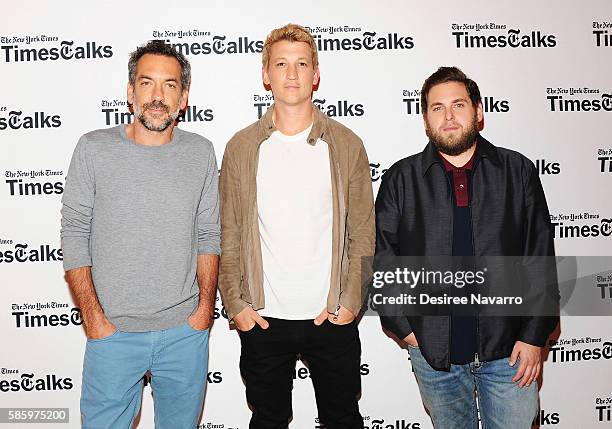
160, 47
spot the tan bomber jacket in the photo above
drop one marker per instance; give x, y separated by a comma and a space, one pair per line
353, 231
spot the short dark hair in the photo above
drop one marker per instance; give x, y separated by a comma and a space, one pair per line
159, 47
449, 74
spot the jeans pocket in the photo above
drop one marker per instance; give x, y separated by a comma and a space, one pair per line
191, 328
99, 340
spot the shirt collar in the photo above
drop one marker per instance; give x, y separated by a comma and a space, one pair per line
450, 167
318, 131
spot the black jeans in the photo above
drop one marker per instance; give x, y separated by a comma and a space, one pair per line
331, 352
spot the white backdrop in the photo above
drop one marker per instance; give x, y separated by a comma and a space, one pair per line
543, 68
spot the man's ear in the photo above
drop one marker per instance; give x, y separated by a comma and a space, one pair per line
130, 93
316, 76
184, 99
479, 113
264, 76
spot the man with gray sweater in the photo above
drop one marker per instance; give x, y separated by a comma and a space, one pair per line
140, 236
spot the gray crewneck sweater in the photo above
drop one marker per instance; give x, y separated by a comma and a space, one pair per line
139, 216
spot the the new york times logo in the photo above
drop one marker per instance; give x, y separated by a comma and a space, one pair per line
546, 418
412, 101
376, 172
580, 225
21, 252
601, 33
578, 100
64, 50
17, 119
180, 34
332, 108
44, 315
218, 45
34, 182
492, 35
368, 40
604, 156
580, 349
603, 409
115, 113
331, 29
302, 373
28, 39
18, 381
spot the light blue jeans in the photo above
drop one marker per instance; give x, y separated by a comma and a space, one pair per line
450, 397
113, 371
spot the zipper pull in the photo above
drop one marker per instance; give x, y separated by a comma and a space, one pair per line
476, 361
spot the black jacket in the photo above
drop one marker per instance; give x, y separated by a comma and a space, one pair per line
414, 217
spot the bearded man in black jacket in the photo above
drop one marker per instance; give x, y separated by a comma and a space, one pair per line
464, 197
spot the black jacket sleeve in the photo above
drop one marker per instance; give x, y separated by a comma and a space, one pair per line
538, 264
388, 216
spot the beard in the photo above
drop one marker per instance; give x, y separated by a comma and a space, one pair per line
139, 113
452, 145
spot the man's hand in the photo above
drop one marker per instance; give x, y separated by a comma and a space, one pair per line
411, 340
100, 329
96, 325
344, 317
530, 362
200, 319
248, 318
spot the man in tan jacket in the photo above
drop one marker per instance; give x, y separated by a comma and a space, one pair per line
296, 217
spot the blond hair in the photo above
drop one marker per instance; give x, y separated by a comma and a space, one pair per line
291, 33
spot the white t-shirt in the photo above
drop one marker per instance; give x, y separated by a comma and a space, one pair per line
294, 201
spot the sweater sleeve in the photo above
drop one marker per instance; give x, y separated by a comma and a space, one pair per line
77, 209
209, 229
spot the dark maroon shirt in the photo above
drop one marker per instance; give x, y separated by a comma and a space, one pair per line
460, 180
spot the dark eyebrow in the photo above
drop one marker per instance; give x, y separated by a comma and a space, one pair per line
452, 102
150, 78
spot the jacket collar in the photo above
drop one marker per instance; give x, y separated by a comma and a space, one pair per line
319, 126
484, 150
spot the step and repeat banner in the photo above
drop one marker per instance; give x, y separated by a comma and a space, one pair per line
544, 69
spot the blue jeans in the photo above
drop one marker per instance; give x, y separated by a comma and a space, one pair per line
113, 371
450, 397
